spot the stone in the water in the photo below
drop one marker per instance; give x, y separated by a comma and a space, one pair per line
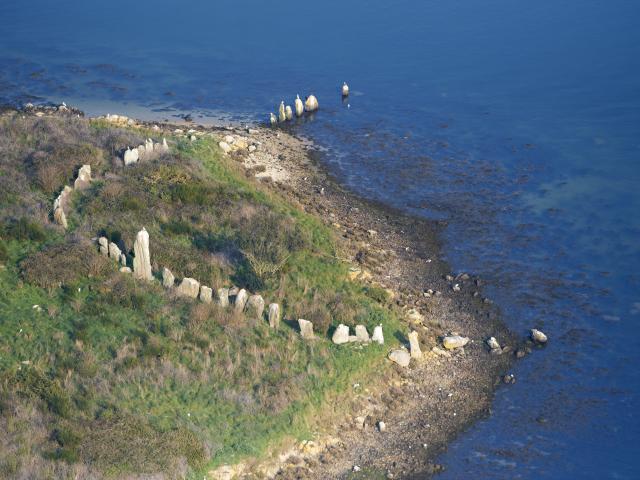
222, 297
311, 103
104, 246
361, 333
241, 300
401, 357
189, 287
142, 258
255, 306
341, 335
84, 178
114, 252
288, 112
493, 344
454, 341
131, 156
414, 345
168, 279
225, 147
274, 315
298, 106
538, 336
206, 294
378, 336
306, 329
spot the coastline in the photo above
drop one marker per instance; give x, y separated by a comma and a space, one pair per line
423, 407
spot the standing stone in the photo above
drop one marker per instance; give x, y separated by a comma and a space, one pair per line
148, 147
255, 306
104, 246
206, 294
223, 297
168, 280
60, 218
414, 345
401, 357
84, 178
142, 152
341, 335
378, 335
189, 287
306, 329
241, 300
142, 258
274, 315
361, 333
165, 147
130, 156
114, 252
123, 260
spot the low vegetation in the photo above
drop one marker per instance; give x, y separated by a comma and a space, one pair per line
103, 376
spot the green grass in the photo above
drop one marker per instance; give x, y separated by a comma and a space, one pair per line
117, 370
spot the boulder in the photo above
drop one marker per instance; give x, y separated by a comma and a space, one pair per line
229, 139
225, 147
114, 252
341, 335
454, 341
168, 280
274, 315
255, 306
361, 333
142, 152
62, 200
378, 336
241, 300
222, 297
189, 287
131, 156
83, 181
104, 246
538, 336
142, 258
311, 103
401, 357
306, 329
493, 344
125, 269
414, 345
206, 294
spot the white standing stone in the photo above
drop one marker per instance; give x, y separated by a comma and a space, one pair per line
299, 107
123, 260
378, 336
104, 246
148, 146
311, 103
114, 252
288, 112
84, 178
142, 152
131, 156
168, 279
255, 306
241, 300
341, 335
454, 341
165, 146
414, 345
361, 333
206, 294
538, 336
306, 329
222, 297
142, 258
60, 218
274, 315
189, 287
401, 357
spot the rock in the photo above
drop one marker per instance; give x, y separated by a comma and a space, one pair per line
454, 341
123, 260
142, 258
538, 336
241, 300
125, 269
274, 315
493, 344
229, 139
456, 288
104, 246
311, 103
60, 218
288, 112
414, 315
226, 148
273, 119
222, 297
378, 336
414, 345
306, 329
62, 200
298, 106
255, 306
84, 178
142, 152
131, 156
206, 294
353, 339
341, 335
114, 252
440, 352
252, 148
233, 291
401, 357
189, 287
382, 427
345, 89
361, 422
361, 333
164, 147
148, 146
168, 279
282, 114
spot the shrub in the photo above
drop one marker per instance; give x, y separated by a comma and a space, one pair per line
24, 229
4, 252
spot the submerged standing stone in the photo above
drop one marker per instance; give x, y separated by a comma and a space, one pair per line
255, 306
361, 333
414, 345
241, 300
378, 336
104, 246
142, 258
341, 335
306, 329
168, 279
274, 315
189, 287
206, 294
222, 297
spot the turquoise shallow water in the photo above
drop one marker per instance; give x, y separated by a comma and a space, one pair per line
518, 123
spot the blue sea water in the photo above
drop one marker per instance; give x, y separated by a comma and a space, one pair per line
517, 122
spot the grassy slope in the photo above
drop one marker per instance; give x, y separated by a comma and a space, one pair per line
115, 376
